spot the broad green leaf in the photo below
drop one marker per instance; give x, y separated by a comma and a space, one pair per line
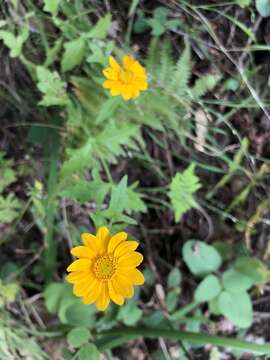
236, 307
119, 196
235, 281
51, 6
52, 87
182, 188
79, 314
201, 258
89, 352
157, 28
100, 30
52, 295
14, 43
208, 289
174, 278
130, 314
263, 7
253, 268
78, 336
73, 55
171, 300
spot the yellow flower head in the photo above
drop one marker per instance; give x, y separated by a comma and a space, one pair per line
126, 81
106, 268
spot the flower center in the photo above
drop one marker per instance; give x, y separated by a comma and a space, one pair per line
104, 267
125, 76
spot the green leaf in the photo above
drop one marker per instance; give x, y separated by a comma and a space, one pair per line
208, 289
243, 3
100, 30
201, 258
263, 7
130, 314
235, 281
253, 268
14, 43
79, 314
157, 28
73, 55
9, 208
119, 196
236, 307
78, 336
204, 84
171, 300
182, 188
52, 87
181, 75
52, 295
51, 6
174, 278
89, 352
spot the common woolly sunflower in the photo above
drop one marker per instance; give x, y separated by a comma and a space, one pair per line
126, 81
106, 268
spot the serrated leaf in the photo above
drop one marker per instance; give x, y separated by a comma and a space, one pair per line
204, 84
236, 307
9, 208
100, 30
52, 87
181, 75
14, 43
51, 6
208, 289
73, 55
182, 188
78, 336
201, 258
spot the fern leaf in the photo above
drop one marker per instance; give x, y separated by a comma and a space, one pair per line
182, 188
181, 75
204, 84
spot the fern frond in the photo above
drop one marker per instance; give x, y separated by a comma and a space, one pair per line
182, 188
180, 77
203, 85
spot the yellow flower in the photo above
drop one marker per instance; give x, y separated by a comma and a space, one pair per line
127, 81
106, 268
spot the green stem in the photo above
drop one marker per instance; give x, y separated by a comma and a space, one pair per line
125, 334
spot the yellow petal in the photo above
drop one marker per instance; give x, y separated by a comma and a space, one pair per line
93, 292
110, 74
115, 92
88, 239
103, 299
110, 84
127, 92
76, 276
142, 85
81, 288
83, 252
80, 265
128, 62
134, 275
114, 64
122, 286
138, 68
116, 240
130, 259
103, 238
125, 247
116, 298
